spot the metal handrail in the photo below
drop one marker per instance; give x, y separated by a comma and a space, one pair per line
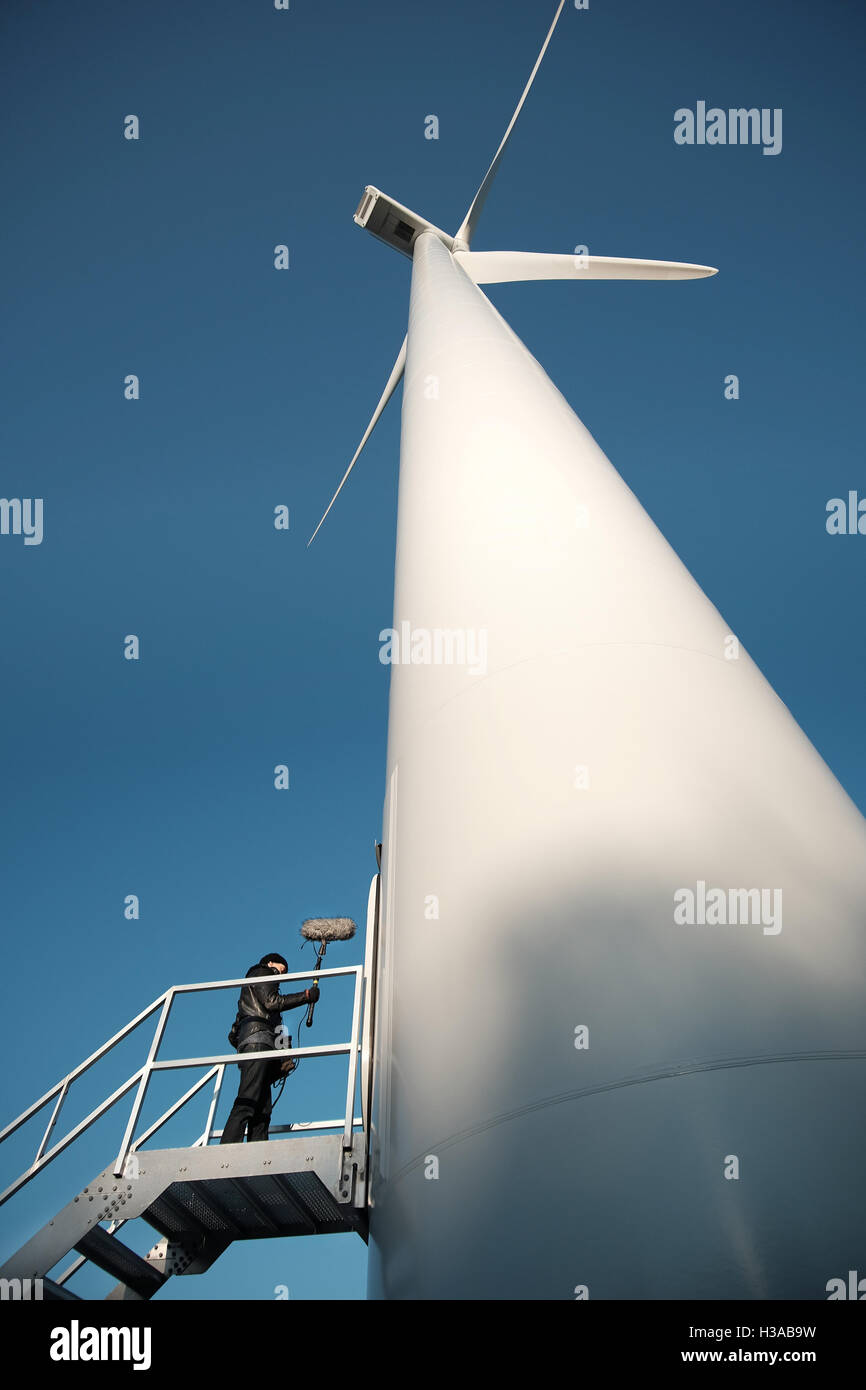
80, 1069
217, 1063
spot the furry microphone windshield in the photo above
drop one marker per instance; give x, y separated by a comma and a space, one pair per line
328, 928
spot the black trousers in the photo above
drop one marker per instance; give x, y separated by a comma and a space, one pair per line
252, 1109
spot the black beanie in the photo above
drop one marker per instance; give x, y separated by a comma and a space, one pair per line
274, 955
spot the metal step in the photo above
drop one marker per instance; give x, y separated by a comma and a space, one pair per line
54, 1293
116, 1258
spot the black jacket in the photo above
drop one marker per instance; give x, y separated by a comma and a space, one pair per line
263, 1003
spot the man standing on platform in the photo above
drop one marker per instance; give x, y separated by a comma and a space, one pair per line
254, 1030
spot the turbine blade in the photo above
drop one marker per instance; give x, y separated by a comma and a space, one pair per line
467, 227
392, 383
499, 267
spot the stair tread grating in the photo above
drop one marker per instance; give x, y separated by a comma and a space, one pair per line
233, 1197
168, 1220
110, 1254
272, 1192
314, 1195
179, 1212
189, 1196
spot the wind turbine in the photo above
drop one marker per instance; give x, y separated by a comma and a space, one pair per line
400, 228
645, 1077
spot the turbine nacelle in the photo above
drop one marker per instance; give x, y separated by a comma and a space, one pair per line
391, 222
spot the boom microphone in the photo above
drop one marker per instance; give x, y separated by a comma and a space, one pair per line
323, 930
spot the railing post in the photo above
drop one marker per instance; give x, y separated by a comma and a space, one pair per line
143, 1084
369, 1000
217, 1086
353, 1060
53, 1121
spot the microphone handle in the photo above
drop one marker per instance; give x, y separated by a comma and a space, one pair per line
311, 1007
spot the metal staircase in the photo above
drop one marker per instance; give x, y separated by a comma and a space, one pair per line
202, 1198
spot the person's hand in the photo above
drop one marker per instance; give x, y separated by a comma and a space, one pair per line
313, 994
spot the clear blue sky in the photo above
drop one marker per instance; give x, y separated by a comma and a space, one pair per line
155, 257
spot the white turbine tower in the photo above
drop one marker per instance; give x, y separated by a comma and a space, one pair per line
619, 1042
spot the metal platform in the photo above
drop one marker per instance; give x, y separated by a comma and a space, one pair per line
200, 1201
